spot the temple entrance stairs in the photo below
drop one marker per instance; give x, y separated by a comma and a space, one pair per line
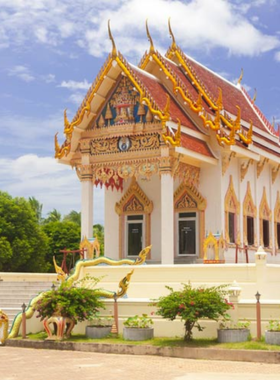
14, 293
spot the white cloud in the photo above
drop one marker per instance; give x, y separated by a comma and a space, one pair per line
197, 24
21, 72
54, 185
244, 85
277, 56
73, 85
49, 78
76, 98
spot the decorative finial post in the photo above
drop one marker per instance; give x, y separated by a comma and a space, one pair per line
240, 77
114, 49
152, 49
173, 46
255, 96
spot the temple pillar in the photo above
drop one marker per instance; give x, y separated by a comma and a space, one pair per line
167, 212
86, 209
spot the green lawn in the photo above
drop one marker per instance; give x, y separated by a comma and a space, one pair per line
168, 342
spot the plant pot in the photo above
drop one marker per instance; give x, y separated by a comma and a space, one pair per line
97, 332
62, 327
272, 337
233, 335
136, 333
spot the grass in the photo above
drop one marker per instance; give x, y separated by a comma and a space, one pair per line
168, 342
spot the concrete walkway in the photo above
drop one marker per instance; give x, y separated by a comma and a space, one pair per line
32, 364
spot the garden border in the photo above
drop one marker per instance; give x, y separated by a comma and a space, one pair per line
257, 356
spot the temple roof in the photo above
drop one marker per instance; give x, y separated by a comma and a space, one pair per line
177, 89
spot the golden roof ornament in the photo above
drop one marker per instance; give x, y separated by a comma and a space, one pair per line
240, 77
114, 49
152, 49
255, 96
173, 46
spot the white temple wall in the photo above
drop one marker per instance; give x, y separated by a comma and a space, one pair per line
210, 189
111, 228
152, 190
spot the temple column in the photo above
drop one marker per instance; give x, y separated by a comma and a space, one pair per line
167, 212
86, 175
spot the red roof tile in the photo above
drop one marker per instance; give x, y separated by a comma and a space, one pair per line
195, 145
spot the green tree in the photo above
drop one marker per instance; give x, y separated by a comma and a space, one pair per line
53, 216
37, 207
73, 216
23, 245
62, 235
192, 304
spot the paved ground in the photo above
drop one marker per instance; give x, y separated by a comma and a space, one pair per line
29, 364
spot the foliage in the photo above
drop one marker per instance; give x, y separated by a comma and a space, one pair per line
69, 301
73, 216
141, 322
226, 324
23, 245
273, 325
192, 304
37, 207
62, 235
53, 216
98, 321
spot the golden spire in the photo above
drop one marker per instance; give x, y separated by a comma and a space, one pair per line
240, 77
173, 46
114, 50
255, 96
152, 49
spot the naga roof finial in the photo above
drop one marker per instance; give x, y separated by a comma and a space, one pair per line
255, 96
152, 48
114, 50
240, 77
173, 46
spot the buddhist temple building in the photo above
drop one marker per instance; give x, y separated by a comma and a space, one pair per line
187, 160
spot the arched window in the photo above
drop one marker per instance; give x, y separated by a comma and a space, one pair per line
134, 210
277, 222
189, 207
232, 210
249, 218
265, 222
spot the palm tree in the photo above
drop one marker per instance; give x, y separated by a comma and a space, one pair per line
37, 207
53, 216
73, 216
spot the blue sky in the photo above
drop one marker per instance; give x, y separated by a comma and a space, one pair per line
51, 51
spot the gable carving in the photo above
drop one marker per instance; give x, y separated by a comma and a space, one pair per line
188, 197
231, 201
265, 212
277, 209
134, 201
249, 208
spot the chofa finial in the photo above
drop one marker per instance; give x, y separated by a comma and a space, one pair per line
114, 50
255, 96
173, 46
240, 77
152, 49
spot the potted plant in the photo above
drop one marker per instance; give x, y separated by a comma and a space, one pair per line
229, 332
192, 304
272, 334
99, 327
138, 328
65, 306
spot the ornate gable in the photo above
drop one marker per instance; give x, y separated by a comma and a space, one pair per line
249, 208
265, 212
231, 201
134, 201
187, 197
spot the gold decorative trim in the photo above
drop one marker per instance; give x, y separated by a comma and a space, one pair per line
249, 209
231, 204
264, 214
174, 140
210, 241
152, 49
244, 168
260, 166
226, 159
274, 173
241, 76
276, 219
134, 202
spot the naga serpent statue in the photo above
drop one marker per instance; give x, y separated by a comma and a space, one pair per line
123, 284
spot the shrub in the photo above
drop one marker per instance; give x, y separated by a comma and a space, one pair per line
74, 302
192, 304
137, 321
